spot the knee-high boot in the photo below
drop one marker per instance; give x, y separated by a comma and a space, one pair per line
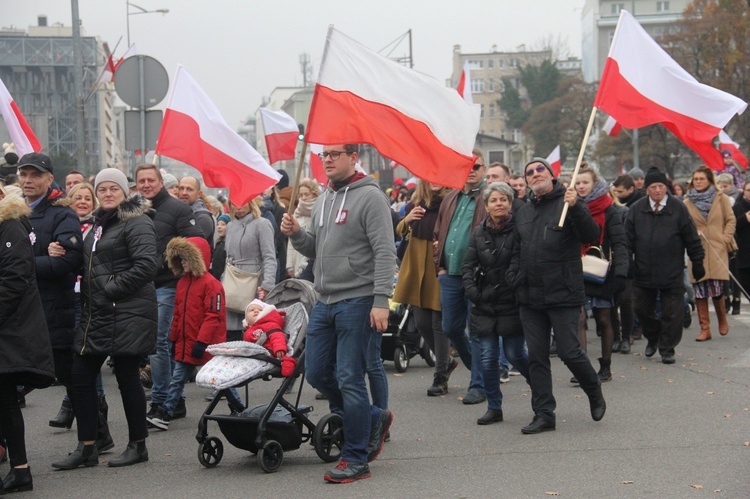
701, 304
104, 440
721, 314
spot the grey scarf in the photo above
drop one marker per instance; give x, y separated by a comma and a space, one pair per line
601, 187
702, 200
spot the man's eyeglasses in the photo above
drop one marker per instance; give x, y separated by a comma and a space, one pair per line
477, 166
333, 154
538, 169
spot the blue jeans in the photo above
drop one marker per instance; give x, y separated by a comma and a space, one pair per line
490, 352
456, 308
376, 372
162, 362
336, 361
180, 376
502, 360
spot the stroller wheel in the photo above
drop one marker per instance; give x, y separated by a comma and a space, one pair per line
328, 437
427, 354
401, 359
270, 456
210, 452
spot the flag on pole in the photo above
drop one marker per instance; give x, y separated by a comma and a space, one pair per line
281, 133
19, 130
726, 143
642, 85
194, 132
363, 97
554, 161
110, 66
464, 84
316, 164
612, 127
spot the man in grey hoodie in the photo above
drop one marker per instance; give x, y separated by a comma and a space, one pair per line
350, 238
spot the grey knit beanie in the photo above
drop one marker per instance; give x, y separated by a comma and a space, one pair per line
112, 175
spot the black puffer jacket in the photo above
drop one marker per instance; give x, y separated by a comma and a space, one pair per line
615, 248
56, 276
117, 290
742, 232
487, 259
658, 243
546, 268
173, 218
25, 350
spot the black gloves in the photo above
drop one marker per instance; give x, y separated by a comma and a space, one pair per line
198, 350
620, 284
698, 271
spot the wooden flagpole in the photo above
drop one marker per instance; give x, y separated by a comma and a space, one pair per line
578, 162
295, 188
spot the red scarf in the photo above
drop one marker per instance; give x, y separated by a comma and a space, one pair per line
597, 207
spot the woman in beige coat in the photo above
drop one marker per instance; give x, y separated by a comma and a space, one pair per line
713, 216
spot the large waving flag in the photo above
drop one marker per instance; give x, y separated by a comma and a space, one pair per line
642, 85
726, 143
194, 132
464, 84
554, 161
19, 130
362, 97
281, 133
612, 127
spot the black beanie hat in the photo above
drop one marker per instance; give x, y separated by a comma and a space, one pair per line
284, 181
655, 175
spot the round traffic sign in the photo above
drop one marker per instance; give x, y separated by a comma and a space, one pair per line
128, 81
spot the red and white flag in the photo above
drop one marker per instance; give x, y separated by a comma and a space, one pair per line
554, 161
110, 66
281, 133
19, 130
612, 127
726, 143
363, 97
411, 183
464, 84
194, 132
316, 164
642, 85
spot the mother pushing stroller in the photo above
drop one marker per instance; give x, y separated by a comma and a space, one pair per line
119, 316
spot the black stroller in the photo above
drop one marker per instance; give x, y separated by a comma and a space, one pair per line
402, 341
270, 429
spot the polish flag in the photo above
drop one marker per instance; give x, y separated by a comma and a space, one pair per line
362, 97
725, 142
554, 161
642, 85
19, 130
110, 66
316, 164
281, 133
612, 127
464, 84
411, 183
194, 132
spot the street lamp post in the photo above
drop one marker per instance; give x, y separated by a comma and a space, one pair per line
141, 10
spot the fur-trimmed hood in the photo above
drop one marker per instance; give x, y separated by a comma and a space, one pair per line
195, 251
13, 208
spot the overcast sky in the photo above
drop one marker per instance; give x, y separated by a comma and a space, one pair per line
239, 50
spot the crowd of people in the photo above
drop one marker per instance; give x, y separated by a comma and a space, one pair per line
500, 276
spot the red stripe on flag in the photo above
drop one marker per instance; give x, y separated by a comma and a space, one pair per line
356, 120
618, 98
27, 131
281, 146
183, 143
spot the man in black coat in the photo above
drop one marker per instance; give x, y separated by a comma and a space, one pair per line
173, 218
547, 276
659, 230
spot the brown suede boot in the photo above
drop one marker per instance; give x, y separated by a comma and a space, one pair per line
705, 321
721, 314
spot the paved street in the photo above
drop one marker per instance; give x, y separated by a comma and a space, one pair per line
670, 431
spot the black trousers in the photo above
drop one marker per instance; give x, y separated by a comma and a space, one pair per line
11, 422
86, 401
665, 332
537, 324
623, 315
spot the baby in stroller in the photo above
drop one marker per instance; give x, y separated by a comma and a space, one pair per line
265, 326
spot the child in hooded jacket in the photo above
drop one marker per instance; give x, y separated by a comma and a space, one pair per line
264, 325
200, 318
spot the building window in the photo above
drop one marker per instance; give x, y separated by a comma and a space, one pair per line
497, 156
662, 6
611, 36
502, 134
514, 63
477, 86
481, 114
615, 8
500, 64
517, 136
492, 85
475, 64
490, 64
492, 110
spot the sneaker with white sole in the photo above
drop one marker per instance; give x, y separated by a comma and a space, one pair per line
377, 435
160, 420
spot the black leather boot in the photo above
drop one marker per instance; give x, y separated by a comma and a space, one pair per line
104, 440
597, 404
135, 452
65, 416
491, 416
605, 374
18, 480
84, 455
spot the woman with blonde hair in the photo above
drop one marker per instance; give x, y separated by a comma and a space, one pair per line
307, 192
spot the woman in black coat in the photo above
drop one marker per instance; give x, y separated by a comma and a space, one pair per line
25, 349
119, 316
741, 210
495, 312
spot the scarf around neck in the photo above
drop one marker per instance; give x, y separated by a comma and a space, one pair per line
497, 228
598, 200
702, 200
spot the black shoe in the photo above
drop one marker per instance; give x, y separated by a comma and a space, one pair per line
18, 480
650, 349
574, 380
439, 386
597, 404
616, 345
377, 435
160, 420
625, 347
84, 455
180, 411
735, 307
320, 396
538, 425
451, 367
474, 396
152, 410
347, 472
135, 452
491, 416
605, 371
105, 442
667, 359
